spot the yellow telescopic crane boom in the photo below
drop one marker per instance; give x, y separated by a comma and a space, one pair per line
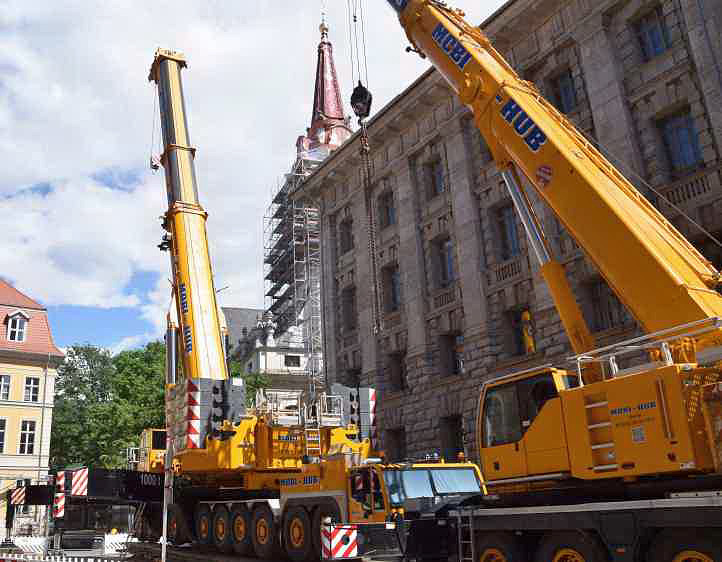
201, 349
661, 278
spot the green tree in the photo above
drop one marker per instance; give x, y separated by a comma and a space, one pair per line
103, 402
252, 381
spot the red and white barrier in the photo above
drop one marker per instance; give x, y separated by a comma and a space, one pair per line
59, 505
339, 542
60, 481
17, 497
80, 482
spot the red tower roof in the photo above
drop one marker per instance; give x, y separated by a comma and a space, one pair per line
329, 127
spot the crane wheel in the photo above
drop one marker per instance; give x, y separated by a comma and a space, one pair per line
241, 530
320, 512
204, 522
297, 534
570, 547
499, 547
264, 534
685, 545
222, 534
178, 532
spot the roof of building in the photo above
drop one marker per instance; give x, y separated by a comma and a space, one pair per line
239, 318
38, 337
327, 92
10, 296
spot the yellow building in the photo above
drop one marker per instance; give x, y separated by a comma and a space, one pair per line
28, 363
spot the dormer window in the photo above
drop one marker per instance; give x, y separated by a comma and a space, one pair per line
17, 326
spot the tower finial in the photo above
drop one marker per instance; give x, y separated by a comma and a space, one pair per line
323, 28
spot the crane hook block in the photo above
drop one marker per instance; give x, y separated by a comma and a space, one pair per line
361, 100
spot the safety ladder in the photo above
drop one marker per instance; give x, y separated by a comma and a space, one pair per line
312, 429
465, 534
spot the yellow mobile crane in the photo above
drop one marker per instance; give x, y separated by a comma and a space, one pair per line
260, 480
549, 437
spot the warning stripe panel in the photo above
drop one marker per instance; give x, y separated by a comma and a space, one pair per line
80, 482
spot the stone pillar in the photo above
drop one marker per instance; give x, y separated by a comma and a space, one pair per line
613, 123
703, 19
411, 259
328, 304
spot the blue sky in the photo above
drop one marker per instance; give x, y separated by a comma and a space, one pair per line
78, 124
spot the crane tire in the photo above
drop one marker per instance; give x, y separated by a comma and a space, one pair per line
203, 522
297, 540
685, 545
264, 534
499, 547
241, 530
222, 536
570, 546
320, 512
177, 530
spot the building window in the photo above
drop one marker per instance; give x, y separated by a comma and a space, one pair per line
563, 91
27, 437
444, 251
3, 425
391, 279
4, 387
396, 444
607, 311
249, 367
387, 209
16, 328
292, 360
32, 389
515, 342
652, 34
451, 354
348, 308
434, 173
397, 371
345, 234
451, 436
681, 143
509, 246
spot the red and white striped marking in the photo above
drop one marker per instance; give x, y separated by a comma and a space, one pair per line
339, 541
17, 497
80, 482
372, 417
193, 415
59, 505
544, 175
60, 481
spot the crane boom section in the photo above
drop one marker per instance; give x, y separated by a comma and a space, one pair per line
661, 278
195, 296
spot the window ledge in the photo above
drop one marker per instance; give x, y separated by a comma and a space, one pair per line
519, 360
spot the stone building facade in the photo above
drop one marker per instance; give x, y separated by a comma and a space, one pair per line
463, 300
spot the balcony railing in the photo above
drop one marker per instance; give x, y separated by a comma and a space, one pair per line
693, 187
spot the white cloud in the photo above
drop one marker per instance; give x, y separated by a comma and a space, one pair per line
75, 102
132, 342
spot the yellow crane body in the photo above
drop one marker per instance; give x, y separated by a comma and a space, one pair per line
541, 426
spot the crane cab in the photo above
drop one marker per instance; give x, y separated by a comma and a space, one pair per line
520, 427
151, 453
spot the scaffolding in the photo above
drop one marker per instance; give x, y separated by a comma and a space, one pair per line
292, 265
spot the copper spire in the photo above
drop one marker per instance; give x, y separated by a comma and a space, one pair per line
328, 124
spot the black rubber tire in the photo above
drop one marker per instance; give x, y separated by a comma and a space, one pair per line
203, 520
584, 544
673, 542
328, 509
178, 532
221, 530
506, 544
296, 521
242, 545
264, 534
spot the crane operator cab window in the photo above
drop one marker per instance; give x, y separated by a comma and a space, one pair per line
366, 490
510, 409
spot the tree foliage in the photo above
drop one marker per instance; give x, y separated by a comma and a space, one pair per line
103, 402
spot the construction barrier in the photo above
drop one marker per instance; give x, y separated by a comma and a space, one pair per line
52, 558
339, 542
